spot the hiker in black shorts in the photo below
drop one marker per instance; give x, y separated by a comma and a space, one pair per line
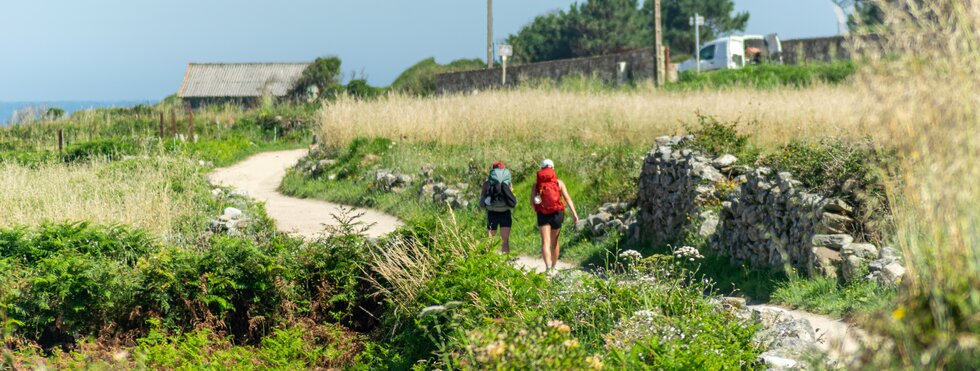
549, 197
498, 198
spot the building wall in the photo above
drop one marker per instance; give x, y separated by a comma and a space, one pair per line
638, 66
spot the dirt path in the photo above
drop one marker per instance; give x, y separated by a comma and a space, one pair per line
260, 176
837, 338
536, 264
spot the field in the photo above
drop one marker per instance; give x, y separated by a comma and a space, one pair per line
113, 254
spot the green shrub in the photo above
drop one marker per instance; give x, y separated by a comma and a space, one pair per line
77, 279
770, 76
508, 346
420, 78
110, 149
716, 138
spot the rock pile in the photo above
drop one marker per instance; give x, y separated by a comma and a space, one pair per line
611, 217
231, 222
752, 215
392, 181
441, 193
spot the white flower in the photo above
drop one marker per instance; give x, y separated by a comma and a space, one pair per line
630, 255
688, 252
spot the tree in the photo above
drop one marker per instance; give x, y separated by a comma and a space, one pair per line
866, 13
598, 27
323, 73
678, 32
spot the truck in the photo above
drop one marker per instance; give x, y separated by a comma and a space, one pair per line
734, 52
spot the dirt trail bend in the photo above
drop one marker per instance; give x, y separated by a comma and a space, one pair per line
841, 340
260, 176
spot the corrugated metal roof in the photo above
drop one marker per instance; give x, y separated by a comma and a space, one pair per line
216, 80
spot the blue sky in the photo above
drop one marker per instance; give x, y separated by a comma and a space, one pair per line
138, 49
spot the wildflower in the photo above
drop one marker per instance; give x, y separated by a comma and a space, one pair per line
571, 343
594, 363
496, 349
630, 255
688, 252
899, 313
560, 326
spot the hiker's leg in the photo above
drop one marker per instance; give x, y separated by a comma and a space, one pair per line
492, 232
555, 247
546, 245
505, 236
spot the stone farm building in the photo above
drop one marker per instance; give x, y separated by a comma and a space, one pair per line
237, 83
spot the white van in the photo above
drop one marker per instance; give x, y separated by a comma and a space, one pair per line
734, 52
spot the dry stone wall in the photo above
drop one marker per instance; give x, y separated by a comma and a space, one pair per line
753, 215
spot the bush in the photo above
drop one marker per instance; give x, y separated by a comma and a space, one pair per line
770, 76
111, 149
420, 79
78, 279
716, 138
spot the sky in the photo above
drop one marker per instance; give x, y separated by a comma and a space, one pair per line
110, 50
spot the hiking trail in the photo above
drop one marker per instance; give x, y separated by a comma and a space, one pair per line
260, 175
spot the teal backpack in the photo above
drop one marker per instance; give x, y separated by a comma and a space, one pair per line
499, 191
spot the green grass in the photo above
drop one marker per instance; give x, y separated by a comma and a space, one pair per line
826, 296
767, 76
593, 175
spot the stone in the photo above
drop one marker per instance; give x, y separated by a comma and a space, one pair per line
774, 362
664, 140
824, 262
724, 161
836, 222
853, 268
709, 225
865, 251
837, 206
232, 213
831, 241
404, 179
889, 252
326, 163
893, 273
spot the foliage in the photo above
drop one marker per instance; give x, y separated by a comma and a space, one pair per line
324, 73
716, 138
359, 88
604, 26
77, 279
769, 76
105, 149
420, 78
827, 296
718, 20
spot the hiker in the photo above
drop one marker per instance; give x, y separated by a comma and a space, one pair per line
498, 198
549, 197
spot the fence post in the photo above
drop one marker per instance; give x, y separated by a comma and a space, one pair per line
161, 125
61, 141
190, 124
173, 123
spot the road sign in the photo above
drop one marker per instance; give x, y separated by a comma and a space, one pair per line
696, 21
506, 51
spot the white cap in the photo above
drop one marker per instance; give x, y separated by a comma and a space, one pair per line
547, 163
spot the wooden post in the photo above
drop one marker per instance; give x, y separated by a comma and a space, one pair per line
173, 123
161, 125
61, 141
489, 34
658, 46
190, 124
666, 64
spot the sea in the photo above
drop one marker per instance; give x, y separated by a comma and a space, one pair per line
8, 109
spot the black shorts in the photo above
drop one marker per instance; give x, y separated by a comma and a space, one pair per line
554, 220
498, 219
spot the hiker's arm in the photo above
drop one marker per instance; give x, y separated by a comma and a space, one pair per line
483, 195
568, 200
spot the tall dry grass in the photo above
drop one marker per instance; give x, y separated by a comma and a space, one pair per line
772, 116
926, 94
158, 195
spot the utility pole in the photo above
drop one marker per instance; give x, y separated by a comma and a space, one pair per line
697, 21
489, 34
659, 69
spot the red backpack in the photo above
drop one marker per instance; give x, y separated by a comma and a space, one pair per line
549, 191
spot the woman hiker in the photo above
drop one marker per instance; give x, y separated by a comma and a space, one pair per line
549, 197
498, 198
